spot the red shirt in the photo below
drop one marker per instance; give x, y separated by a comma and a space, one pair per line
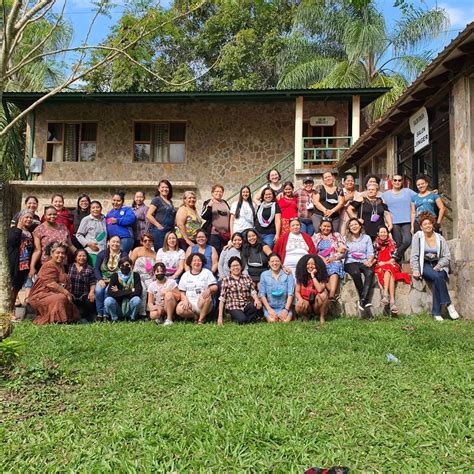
289, 207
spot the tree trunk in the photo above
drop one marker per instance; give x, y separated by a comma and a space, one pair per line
9, 200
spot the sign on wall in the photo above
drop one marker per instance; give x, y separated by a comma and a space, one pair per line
320, 121
419, 126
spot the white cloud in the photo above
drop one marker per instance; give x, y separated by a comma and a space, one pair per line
459, 16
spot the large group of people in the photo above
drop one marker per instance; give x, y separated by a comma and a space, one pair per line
277, 256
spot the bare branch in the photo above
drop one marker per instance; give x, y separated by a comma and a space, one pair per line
25, 61
114, 53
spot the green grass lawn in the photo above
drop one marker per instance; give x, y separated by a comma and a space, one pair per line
282, 398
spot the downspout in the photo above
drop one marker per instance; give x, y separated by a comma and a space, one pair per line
32, 141
16, 145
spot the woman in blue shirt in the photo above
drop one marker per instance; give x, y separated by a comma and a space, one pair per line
277, 290
426, 201
120, 220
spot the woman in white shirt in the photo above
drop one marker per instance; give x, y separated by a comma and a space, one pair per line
172, 256
242, 212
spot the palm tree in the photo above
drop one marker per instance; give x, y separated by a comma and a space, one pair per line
343, 43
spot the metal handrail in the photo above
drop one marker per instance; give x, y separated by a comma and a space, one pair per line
324, 147
282, 165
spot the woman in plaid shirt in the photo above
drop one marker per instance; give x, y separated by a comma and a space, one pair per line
82, 279
238, 295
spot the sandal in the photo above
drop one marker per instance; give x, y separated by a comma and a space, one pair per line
394, 309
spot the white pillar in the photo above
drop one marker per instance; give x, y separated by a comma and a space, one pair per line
299, 133
355, 117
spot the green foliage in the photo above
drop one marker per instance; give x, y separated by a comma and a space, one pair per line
261, 398
10, 351
365, 52
225, 45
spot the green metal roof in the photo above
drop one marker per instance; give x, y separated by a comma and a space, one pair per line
24, 99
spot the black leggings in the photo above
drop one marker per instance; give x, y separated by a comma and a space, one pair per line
355, 270
245, 316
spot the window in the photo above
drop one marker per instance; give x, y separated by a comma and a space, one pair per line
71, 141
160, 142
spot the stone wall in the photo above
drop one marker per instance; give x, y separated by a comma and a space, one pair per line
229, 143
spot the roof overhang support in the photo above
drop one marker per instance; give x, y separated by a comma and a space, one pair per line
299, 133
355, 117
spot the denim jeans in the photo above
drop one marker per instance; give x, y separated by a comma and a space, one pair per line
158, 237
439, 287
268, 239
126, 244
307, 226
99, 299
114, 308
402, 237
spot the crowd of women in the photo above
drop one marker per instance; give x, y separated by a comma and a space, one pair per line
278, 255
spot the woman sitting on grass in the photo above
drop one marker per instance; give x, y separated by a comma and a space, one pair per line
311, 294
82, 279
429, 259
163, 296
197, 287
387, 269
238, 295
124, 292
107, 263
277, 290
51, 295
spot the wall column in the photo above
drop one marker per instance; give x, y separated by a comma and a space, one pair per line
299, 133
355, 117
461, 134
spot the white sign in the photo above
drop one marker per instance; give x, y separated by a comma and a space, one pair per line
322, 121
419, 126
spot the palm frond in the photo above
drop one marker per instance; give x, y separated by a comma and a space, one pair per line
397, 84
365, 36
305, 74
410, 66
344, 74
418, 27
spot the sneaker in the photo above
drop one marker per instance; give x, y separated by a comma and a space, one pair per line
394, 309
367, 305
168, 322
159, 321
360, 304
453, 314
438, 318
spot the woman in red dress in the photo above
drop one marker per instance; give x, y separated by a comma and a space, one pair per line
387, 269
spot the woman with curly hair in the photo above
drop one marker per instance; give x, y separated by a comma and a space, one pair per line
311, 294
430, 259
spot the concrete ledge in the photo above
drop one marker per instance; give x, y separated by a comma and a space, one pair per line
98, 184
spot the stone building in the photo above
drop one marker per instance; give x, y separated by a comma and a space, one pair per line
430, 129
98, 143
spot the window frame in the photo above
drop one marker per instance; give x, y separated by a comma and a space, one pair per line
62, 141
169, 142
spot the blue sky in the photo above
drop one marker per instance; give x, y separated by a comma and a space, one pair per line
79, 13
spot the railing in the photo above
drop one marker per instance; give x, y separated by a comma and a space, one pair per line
285, 166
321, 151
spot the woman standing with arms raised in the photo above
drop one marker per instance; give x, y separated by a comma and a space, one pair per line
161, 213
